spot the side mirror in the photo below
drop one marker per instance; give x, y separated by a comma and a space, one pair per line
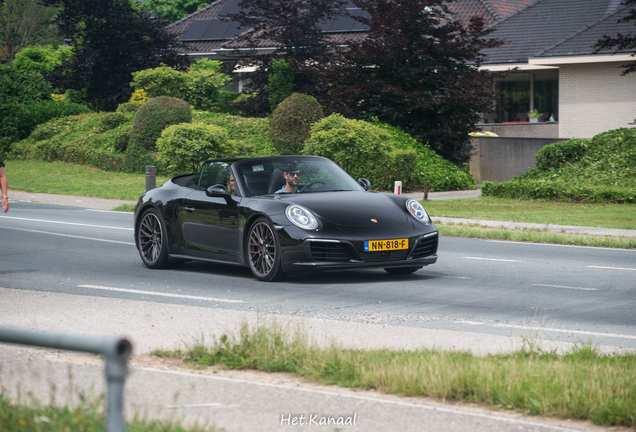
366, 184
219, 191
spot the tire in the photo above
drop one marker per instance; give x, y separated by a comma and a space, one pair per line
152, 241
401, 270
263, 251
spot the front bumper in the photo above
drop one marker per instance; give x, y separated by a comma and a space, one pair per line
332, 255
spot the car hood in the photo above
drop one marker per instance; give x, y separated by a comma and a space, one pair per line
352, 208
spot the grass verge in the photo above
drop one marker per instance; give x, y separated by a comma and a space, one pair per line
69, 179
535, 236
580, 384
620, 216
87, 418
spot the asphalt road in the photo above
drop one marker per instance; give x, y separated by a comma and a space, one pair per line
74, 270
502, 288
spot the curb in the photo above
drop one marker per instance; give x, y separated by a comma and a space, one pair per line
549, 227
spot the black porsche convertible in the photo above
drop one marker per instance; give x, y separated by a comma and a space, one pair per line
281, 215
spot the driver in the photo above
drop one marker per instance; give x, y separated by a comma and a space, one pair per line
292, 176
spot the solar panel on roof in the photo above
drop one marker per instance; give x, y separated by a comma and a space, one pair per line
230, 6
342, 24
196, 30
220, 30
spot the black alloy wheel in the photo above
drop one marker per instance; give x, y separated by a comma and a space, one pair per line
151, 240
401, 270
263, 251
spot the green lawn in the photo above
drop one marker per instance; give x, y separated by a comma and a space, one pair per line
70, 179
621, 216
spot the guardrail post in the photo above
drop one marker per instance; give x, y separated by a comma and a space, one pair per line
115, 350
151, 177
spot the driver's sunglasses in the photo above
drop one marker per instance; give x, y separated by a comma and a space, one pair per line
294, 174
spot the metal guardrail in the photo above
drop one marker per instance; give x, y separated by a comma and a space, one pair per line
115, 350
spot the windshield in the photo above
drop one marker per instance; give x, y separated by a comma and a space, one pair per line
268, 175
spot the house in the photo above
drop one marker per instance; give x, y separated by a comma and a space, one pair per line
549, 48
550, 43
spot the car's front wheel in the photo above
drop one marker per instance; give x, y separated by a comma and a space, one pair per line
401, 270
152, 241
263, 251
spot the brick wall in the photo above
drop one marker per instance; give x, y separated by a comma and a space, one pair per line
595, 98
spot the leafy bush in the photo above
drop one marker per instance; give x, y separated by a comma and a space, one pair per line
362, 150
40, 58
601, 170
183, 147
154, 116
111, 120
35, 114
199, 86
291, 122
441, 174
557, 154
78, 139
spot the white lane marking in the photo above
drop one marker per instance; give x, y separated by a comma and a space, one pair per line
561, 245
613, 268
133, 291
127, 213
69, 235
566, 331
68, 223
377, 399
491, 259
567, 287
199, 405
469, 322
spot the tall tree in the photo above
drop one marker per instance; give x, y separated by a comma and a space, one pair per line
111, 39
293, 27
173, 10
621, 42
24, 23
416, 69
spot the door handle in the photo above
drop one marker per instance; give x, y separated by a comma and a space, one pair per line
189, 209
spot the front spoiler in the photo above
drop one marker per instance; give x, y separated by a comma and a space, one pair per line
310, 267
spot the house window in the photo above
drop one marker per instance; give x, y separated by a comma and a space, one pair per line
522, 93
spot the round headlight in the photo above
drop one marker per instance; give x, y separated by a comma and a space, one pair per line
417, 210
301, 217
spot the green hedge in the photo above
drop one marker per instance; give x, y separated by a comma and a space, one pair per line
600, 170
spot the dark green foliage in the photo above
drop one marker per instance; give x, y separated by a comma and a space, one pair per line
137, 159
557, 154
415, 69
154, 116
111, 39
33, 115
281, 82
18, 88
291, 122
127, 107
605, 172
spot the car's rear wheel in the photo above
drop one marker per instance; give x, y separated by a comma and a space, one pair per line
263, 251
401, 270
152, 241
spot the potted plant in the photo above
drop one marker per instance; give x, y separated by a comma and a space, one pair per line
534, 116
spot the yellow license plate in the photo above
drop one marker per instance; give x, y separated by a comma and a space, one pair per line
385, 245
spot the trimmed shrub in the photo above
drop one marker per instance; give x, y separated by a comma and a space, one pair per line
358, 147
35, 114
601, 170
137, 159
557, 154
154, 116
291, 122
183, 147
111, 120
